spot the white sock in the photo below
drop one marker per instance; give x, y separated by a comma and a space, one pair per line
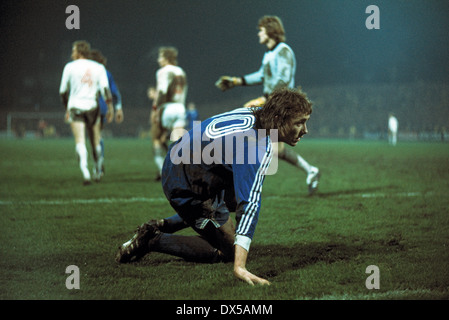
304, 164
82, 153
159, 158
159, 162
100, 158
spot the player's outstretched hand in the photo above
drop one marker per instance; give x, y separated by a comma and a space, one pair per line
119, 116
225, 83
248, 277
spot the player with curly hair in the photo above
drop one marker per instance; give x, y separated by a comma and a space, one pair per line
226, 154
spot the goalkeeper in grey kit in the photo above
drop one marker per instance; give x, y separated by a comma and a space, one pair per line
277, 70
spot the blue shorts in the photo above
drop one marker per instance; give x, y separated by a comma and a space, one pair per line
190, 192
198, 213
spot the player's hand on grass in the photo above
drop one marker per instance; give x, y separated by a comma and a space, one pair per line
240, 271
248, 277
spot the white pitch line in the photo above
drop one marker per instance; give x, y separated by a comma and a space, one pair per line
84, 201
368, 195
160, 199
401, 194
394, 294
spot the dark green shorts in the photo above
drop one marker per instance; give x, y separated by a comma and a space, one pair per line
89, 117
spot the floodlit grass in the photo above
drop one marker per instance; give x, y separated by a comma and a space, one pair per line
376, 205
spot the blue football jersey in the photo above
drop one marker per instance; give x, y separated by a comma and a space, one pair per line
116, 97
225, 152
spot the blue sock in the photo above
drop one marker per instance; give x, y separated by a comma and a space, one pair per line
173, 224
190, 248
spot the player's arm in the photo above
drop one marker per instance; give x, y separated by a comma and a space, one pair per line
65, 101
116, 99
155, 114
161, 98
108, 99
252, 79
248, 180
163, 81
64, 98
156, 111
105, 91
255, 78
64, 90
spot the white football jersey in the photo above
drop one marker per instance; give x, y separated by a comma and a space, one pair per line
83, 79
172, 82
393, 124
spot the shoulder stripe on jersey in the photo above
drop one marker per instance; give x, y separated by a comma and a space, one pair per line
229, 123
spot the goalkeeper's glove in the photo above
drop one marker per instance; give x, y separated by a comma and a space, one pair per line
226, 82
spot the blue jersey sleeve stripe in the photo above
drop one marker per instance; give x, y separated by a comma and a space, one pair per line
253, 206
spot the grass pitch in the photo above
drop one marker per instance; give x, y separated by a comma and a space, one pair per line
376, 205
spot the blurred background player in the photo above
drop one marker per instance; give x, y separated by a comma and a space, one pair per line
82, 81
392, 129
196, 190
168, 115
97, 56
191, 116
277, 70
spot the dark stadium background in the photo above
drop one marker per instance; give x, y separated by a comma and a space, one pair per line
354, 75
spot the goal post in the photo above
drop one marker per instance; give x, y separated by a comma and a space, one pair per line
19, 123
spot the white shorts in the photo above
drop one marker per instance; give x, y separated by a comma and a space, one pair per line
173, 116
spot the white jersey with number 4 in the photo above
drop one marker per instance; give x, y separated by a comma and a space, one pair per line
82, 79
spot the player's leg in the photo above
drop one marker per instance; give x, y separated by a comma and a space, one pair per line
159, 156
99, 159
93, 126
149, 238
156, 136
214, 243
175, 223
174, 120
170, 224
102, 120
313, 173
216, 231
78, 130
